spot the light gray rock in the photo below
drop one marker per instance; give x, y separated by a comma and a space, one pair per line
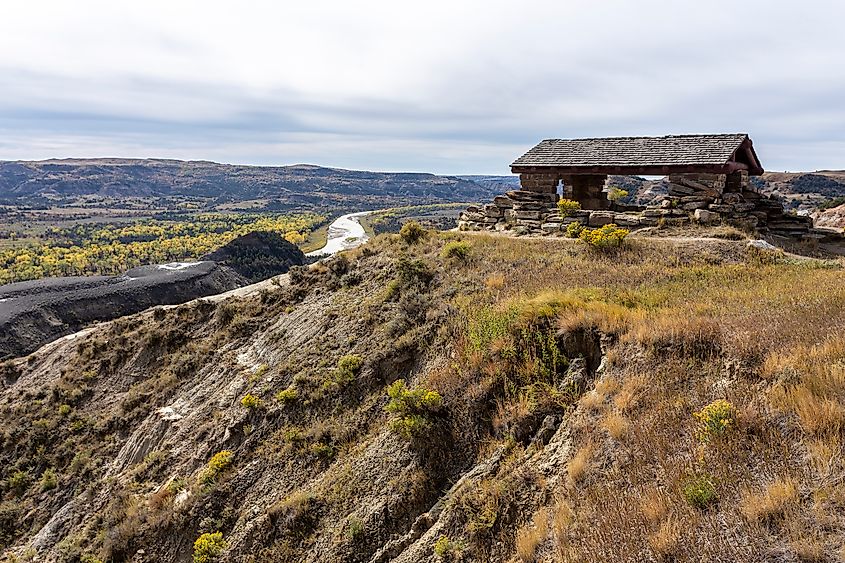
626, 219
760, 244
600, 218
705, 217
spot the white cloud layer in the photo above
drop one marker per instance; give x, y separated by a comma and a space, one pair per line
444, 86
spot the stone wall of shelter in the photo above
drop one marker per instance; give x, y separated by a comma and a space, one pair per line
701, 197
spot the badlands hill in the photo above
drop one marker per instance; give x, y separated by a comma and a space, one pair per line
88, 181
451, 397
171, 184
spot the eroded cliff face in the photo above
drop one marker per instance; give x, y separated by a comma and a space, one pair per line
36, 312
545, 412
833, 218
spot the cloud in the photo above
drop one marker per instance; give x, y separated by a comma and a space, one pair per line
448, 87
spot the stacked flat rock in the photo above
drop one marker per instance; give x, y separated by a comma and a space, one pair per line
703, 198
517, 208
529, 212
721, 198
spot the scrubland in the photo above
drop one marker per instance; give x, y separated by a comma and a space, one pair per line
448, 397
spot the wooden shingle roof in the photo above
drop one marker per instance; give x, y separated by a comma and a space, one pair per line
720, 153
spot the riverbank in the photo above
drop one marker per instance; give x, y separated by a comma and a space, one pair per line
343, 233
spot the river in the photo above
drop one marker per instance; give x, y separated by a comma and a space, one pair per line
345, 232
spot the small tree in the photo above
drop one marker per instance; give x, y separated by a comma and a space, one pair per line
615, 194
294, 237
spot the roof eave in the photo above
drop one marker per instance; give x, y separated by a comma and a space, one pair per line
630, 170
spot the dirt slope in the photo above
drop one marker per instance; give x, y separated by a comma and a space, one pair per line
546, 413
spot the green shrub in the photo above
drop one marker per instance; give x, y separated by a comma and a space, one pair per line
250, 401
355, 528
573, 230
457, 249
322, 450
218, 464
349, 365
80, 462
715, 419
411, 232
567, 206
286, 396
176, 486
413, 272
489, 325
699, 490
19, 482
49, 481
347, 368
446, 549
64, 410
208, 547
606, 237
392, 290
413, 409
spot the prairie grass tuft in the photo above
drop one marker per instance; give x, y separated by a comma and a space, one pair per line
664, 542
529, 537
616, 425
579, 466
770, 503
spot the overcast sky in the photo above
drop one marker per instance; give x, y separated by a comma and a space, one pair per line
438, 86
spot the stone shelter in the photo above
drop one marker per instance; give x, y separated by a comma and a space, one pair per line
708, 182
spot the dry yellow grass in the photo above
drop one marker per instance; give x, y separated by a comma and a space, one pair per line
592, 401
654, 506
495, 282
817, 415
693, 324
629, 396
825, 455
579, 466
562, 519
665, 540
507, 412
772, 502
809, 549
529, 538
675, 333
616, 425
607, 385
